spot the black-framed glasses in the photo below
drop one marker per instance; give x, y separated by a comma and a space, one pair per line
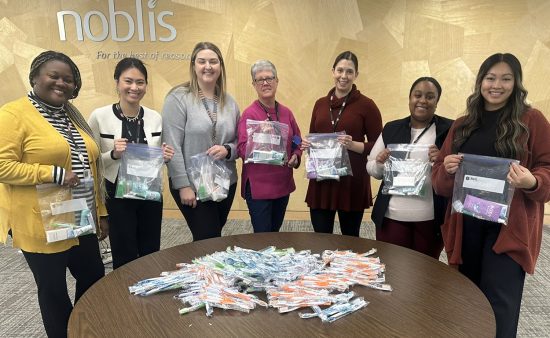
268, 80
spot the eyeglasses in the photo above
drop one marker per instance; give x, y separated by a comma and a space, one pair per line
268, 80
202, 62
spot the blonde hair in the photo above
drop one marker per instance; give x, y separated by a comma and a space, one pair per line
193, 84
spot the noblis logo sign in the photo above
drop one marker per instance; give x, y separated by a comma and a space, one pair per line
135, 22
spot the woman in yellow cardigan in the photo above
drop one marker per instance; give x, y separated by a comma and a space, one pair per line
45, 139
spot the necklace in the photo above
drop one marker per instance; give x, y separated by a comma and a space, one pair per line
128, 122
129, 119
212, 114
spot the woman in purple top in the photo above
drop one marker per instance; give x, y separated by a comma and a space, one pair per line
266, 187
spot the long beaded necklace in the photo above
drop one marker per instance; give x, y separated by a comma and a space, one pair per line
212, 114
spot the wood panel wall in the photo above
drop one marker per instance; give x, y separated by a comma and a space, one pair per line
396, 42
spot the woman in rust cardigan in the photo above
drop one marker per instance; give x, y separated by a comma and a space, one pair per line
498, 123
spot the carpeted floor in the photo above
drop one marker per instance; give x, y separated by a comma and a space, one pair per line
20, 316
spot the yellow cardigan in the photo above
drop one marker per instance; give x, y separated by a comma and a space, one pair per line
30, 147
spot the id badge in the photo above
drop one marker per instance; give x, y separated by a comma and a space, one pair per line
88, 180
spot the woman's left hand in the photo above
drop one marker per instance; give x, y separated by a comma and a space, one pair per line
293, 162
346, 141
217, 152
103, 228
521, 177
167, 152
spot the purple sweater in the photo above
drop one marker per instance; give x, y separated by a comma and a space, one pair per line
267, 181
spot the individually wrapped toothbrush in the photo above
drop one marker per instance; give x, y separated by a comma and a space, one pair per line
291, 280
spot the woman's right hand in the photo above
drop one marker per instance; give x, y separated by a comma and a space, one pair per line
187, 197
305, 144
451, 163
383, 156
71, 179
120, 147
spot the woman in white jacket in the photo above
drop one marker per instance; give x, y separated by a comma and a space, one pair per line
134, 224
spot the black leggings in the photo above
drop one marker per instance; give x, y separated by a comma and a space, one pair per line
207, 219
323, 221
499, 277
49, 270
134, 227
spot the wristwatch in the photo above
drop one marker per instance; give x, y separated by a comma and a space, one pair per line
228, 148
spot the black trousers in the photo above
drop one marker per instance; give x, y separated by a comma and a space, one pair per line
49, 270
323, 221
207, 219
134, 227
498, 276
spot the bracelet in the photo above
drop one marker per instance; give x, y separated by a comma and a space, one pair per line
113, 155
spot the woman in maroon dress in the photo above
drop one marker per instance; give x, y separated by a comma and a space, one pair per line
344, 109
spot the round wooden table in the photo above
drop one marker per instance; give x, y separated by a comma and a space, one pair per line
429, 299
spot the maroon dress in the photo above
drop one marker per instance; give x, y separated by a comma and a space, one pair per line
359, 118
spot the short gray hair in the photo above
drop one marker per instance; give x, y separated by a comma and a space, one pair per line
262, 65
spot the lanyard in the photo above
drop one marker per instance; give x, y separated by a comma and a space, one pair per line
424, 131
212, 114
59, 114
335, 122
76, 146
267, 111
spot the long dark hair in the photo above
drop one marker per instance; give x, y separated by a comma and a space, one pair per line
511, 132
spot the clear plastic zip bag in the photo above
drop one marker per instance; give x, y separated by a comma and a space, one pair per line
140, 173
266, 143
327, 159
481, 189
64, 211
407, 170
210, 178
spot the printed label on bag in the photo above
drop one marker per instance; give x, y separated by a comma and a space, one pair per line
142, 168
403, 181
68, 206
266, 138
484, 183
324, 153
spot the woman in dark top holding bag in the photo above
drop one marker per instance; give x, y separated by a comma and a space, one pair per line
135, 224
344, 109
498, 123
412, 221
